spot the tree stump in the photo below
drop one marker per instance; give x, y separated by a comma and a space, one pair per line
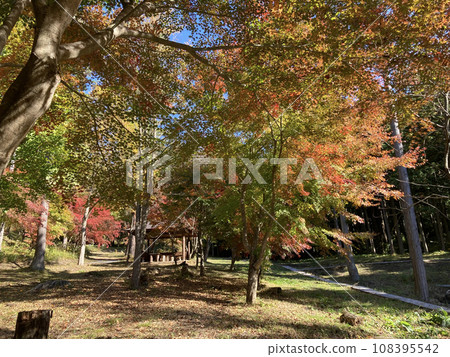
33, 324
350, 319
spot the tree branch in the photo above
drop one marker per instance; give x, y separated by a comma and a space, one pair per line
10, 21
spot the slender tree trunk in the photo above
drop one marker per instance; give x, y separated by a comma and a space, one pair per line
10, 21
368, 228
252, 282
440, 230
398, 233
202, 258
65, 241
422, 235
137, 251
207, 248
233, 258
445, 223
412, 233
350, 260
38, 262
386, 227
140, 232
2, 232
131, 246
83, 235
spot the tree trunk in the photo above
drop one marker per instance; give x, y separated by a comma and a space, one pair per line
233, 258
397, 230
367, 223
83, 235
10, 21
386, 227
38, 262
445, 223
137, 251
440, 230
131, 246
65, 241
140, 232
252, 282
422, 236
2, 232
31, 94
412, 233
33, 324
350, 260
202, 258
207, 248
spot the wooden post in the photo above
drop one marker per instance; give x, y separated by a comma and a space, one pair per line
33, 324
183, 251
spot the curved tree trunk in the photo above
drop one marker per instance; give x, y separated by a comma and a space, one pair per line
38, 262
350, 260
409, 214
31, 94
83, 235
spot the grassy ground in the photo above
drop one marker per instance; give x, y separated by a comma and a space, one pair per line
395, 278
194, 307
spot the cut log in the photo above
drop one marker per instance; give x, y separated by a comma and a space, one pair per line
33, 324
350, 319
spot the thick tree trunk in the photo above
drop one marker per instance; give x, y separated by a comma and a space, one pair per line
2, 232
10, 21
31, 94
83, 235
412, 233
350, 260
33, 324
38, 262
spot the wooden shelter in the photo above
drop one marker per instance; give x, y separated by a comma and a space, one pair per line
159, 231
